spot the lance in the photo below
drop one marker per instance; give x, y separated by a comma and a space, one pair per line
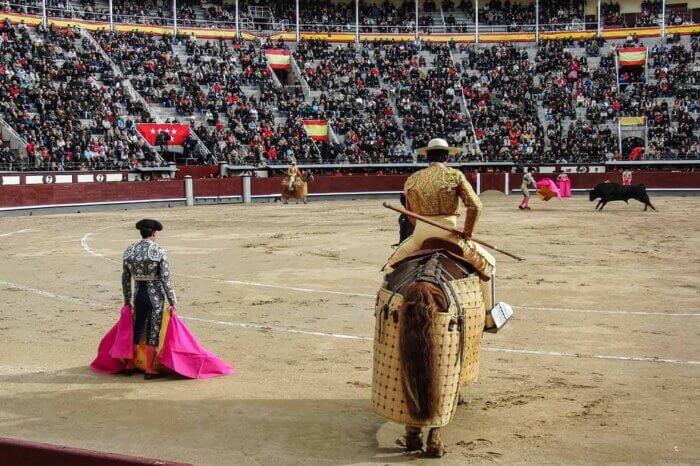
449, 229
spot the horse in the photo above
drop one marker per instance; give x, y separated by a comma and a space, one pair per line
300, 190
427, 344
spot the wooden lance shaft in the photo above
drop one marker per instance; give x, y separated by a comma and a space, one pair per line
450, 229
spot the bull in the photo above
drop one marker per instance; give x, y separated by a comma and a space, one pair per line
616, 192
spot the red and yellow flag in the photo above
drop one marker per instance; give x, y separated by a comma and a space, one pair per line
317, 129
279, 59
632, 56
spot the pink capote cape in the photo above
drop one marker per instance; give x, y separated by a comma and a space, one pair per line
548, 189
181, 352
564, 187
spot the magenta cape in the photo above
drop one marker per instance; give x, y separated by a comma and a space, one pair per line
564, 187
547, 189
181, 352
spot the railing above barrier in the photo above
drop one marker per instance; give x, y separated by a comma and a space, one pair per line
30, 15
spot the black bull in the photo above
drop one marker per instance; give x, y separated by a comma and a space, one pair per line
616, 192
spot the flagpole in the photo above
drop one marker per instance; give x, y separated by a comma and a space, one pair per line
357, 21
238, 24
297, 13
417, 30
111, 17
663, 18
599, 19
476, 16
174, 18
537, 20
44, 18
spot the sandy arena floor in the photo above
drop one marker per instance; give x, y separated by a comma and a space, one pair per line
597, 367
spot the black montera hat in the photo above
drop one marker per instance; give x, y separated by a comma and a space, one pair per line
149, 224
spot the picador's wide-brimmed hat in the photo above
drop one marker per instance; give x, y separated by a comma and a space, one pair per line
149, 224
440, 144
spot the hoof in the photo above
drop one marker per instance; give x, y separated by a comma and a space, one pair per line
413, 442
435, 450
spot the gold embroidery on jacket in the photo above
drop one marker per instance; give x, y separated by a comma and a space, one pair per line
436, 190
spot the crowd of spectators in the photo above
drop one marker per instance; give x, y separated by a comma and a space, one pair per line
361, 114
60, 97
558, 101
324, 15
499, 91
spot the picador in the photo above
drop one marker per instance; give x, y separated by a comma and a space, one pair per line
431, 311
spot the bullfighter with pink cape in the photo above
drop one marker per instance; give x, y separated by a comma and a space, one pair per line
146, 337
564, 185
180, 353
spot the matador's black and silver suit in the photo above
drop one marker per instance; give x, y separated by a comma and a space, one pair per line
148, 264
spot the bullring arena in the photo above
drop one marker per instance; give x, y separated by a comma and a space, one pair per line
599, 364
203, 115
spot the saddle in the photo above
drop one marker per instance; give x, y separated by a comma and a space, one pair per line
297, 183
440, 266
439, 262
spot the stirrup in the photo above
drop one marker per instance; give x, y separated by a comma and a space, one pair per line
497, 317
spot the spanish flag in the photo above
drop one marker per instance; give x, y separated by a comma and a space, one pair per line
317, 129
632, 56
279, 59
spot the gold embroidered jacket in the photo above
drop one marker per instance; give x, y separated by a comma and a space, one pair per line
436, 190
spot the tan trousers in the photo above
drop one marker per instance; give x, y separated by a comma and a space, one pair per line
424, 231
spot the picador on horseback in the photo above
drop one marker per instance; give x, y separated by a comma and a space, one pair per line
292, 173
431, 310
295, 184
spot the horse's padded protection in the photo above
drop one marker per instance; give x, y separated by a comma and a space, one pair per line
458, 364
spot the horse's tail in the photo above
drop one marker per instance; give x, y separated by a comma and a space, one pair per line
419, 369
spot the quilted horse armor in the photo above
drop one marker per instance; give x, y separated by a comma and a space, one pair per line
457, 334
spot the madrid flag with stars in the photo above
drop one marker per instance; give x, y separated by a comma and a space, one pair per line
178, 133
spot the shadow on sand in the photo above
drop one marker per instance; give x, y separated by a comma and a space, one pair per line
210, 431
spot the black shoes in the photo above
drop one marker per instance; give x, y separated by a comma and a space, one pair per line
127, 372
148, 376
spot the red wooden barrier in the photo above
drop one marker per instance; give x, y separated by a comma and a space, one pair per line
495, 181
51, 194
22, 453
197, 171
335, 184
218, 187
87, 193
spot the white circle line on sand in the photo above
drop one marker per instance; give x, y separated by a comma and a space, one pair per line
26, 230
294, 288
278, 328
597, 311
84, 242
49, 294
485, 348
